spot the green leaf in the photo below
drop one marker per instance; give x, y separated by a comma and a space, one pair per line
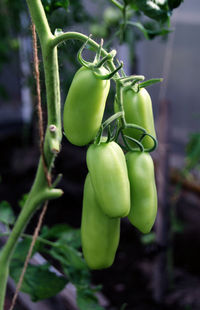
150, 82
173, 4
87, 300
68, 256
123, 307
6, 213
154, 29
73, 265
148, 238
153, 10
64, 233
22, 201
193, 151
22, 248
39, 282
140, 27
160, 2
52, 5
150, 30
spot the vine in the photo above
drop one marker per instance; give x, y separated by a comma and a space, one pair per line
42, 189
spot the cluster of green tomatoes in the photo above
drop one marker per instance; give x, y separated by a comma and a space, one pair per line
120, 182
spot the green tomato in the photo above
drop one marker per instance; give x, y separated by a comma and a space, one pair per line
84, 106
112, 16
99, 233
143, 190
138, 110
107, 166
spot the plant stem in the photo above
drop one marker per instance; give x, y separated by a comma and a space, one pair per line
40, 191
61, 38
117, 4
38, 194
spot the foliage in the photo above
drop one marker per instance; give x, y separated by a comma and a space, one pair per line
7, 216
39, 282
193, 152
150, 18
61, 244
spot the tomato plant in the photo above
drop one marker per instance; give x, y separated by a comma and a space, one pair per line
112, 189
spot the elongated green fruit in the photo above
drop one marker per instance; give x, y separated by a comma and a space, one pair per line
143, 190
84, 106
99, 233
107, 166
138, 110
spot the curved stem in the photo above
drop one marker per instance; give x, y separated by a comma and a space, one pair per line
112, 119
40, 20
117, 4
129, 147
134, 126
39, 193
119, 98
81, 37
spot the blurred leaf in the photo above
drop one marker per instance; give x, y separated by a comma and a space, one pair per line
177, 226
22, 248
154, 29
6, 213
39, 282
72, 257
193, 151
160, 2
153, 10
72, 264
173, 4
3, 93
98, 30
22, 201
148, 238
123, 307
64, 233
140, 27
52, 5
112, 16
150, 82
87, 300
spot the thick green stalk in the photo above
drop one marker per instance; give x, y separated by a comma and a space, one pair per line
40, 191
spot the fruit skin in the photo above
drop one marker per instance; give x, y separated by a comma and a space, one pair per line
84, 106
143, 190
99, 233
138, 110
107, 166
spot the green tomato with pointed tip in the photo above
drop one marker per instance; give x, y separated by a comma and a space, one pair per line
143, 190
138, 110
107, 166
99, 233
84, 105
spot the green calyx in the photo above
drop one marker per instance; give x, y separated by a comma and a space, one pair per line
98, 65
